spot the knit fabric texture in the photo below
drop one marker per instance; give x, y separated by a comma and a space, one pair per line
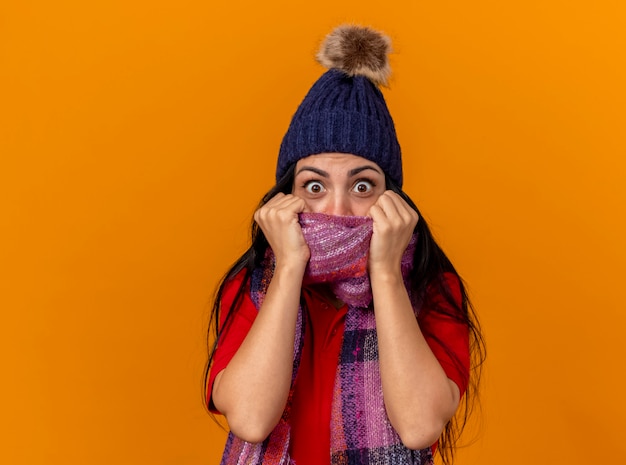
343, 114
339, 248
361, 433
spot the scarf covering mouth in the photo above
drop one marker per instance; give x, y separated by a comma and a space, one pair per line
360, 430
339, 248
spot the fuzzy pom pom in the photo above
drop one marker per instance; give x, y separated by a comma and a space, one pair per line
357, 51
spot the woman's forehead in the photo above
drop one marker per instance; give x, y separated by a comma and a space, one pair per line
336, 161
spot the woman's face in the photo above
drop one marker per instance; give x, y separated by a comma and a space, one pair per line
338, 184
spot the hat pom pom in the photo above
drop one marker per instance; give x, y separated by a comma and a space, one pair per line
357, 51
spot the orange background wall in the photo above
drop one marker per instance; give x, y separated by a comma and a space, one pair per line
136, 138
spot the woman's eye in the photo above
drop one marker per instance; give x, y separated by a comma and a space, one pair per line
363, 187
314, 187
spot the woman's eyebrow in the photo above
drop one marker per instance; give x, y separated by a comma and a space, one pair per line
355, 171
318, 171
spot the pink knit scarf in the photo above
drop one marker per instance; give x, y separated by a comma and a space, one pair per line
339, 248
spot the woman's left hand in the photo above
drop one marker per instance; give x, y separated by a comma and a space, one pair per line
394, 223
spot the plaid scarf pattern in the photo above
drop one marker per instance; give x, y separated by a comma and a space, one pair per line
361, 433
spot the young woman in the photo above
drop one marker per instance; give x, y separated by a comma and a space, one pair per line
343, 335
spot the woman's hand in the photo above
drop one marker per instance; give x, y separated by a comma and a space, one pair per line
278, 219
394, 223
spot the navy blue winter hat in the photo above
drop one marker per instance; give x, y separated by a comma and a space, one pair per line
345, 111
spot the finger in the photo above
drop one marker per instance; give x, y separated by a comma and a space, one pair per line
376, 213
403, 209
289, 202
278, 202
283, 210
295, 203
387, 202
275, 199
391, 214
264, 209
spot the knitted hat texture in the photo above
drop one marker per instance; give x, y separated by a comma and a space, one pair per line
345, 111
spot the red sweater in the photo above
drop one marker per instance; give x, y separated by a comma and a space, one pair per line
313, 389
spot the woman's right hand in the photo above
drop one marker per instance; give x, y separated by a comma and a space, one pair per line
278, 219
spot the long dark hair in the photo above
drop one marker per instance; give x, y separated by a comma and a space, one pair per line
430, 263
